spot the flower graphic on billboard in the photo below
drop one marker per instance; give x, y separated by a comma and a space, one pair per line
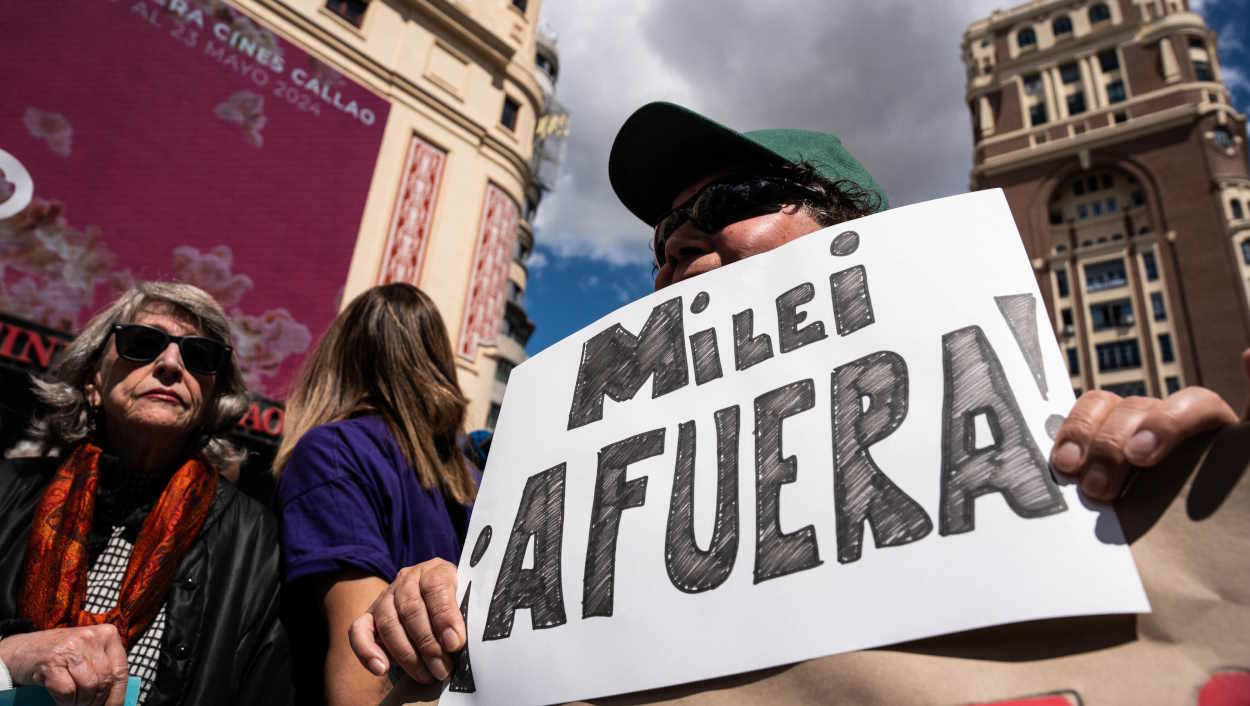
49, 270
50, 127
245, 109
210, 271
51, 303
263, 342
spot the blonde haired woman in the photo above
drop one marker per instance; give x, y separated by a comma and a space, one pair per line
371, 477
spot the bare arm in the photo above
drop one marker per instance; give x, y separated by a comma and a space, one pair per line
347, 682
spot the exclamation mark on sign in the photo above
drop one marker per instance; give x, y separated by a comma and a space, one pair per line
1020, 311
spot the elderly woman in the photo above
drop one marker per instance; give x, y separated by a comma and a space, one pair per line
122, 550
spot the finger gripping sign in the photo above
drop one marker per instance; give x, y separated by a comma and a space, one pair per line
835, 445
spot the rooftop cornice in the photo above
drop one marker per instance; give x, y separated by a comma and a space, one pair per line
1010, 16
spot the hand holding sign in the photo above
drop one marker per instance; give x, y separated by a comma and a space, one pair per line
1104, 434
416, 621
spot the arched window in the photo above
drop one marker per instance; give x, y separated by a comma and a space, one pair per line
1238, 214
1026, 38
1099, 13
1062, 25
1222, 138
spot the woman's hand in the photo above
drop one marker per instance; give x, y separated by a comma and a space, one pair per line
84, 665
416, 621
1105, 434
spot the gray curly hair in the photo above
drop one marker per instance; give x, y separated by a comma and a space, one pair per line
67, 420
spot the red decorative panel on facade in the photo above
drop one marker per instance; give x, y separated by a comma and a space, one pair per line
414, 211
488, 283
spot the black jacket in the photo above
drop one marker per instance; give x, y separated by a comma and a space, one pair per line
223, 643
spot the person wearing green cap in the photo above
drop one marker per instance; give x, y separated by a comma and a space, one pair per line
715, 196
741, 193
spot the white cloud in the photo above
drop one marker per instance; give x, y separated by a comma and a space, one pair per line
536, 262
884, 76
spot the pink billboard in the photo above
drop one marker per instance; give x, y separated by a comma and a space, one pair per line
179, 139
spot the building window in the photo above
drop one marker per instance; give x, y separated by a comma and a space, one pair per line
1197, 42
1107, 181
511, 109
1097, 208
1078, 188
503, 370
1137, 388
1202, 70
1033, 84
1091, 184
1061, 281
1108, 60
520, 5
1113, 314
1165, 348
351, 10
1118, 355
1056, 217
1237, 212
1065, 316
493, 416
1074, 362
1245, 251
1160, 309
1099, 13
1139, 199
1082, 212
1026, 38
1076, 103
1037, 114
1152, 267
1070, 73
1173, 383
1115, 91
1121, 118
1061, 25
1222, 138
1112, 205
543, 63
1105, 275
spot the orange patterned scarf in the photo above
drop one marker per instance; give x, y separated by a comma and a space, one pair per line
56, 556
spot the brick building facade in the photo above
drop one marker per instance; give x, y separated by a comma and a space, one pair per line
1110, 130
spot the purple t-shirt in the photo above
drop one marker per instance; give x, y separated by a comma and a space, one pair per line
348, 499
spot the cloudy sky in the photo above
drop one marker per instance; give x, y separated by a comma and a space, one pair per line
885, 76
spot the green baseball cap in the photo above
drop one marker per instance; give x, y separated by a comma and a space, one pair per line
664, 148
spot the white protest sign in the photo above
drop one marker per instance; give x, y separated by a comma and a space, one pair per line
835, 445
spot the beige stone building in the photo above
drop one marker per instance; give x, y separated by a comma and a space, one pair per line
453, 190
1109, 128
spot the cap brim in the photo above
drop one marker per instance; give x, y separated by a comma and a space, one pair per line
664, 148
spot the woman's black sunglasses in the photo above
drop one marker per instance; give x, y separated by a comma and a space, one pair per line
728, 201
142, 344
